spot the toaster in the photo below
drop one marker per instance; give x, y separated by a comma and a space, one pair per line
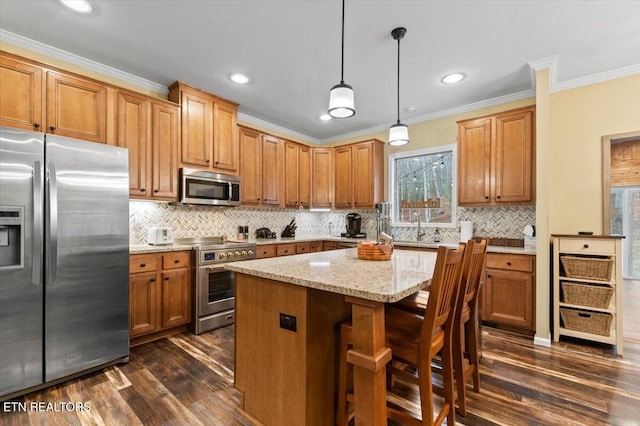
160, 236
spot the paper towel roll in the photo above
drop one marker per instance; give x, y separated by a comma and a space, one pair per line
466, 230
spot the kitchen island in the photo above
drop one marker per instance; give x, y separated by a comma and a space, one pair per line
287, 314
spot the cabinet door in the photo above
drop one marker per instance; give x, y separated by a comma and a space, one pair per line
514, 180
474, 162
271, 174
225, 138
343, 177
304, 176
508, 298
142, 303
250, 167
76, 108
165, 134
321, 177
175, 297
197, 130
132, 129
363, 175
20, 95
291, 174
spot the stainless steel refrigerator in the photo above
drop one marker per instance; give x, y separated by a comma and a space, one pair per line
64, 258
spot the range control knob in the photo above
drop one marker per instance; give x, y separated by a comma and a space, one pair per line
230, 254
244, 252
223, 255
250, 252
237, 253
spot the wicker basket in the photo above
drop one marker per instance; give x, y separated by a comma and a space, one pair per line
591, 268
371, 251
586, 321
593, 295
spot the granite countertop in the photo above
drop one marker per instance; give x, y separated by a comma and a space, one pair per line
147, 248
340, 271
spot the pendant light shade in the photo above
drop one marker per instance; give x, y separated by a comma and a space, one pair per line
341, 98
398, 133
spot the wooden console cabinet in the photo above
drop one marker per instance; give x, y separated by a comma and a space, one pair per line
159, 294
587, 288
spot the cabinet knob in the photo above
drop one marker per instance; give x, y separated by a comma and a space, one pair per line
257, 199
216, 162
143, 190
176, 261
489, 276
508, 263
207, 161
156, 191
586, 246
498, 197
166, 278
142, 265
486, 197
36, 125
52, 128
153, 280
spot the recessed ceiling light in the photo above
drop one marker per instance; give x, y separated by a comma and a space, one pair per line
239, 78
453, 78
81, 6
325, 117
412, 108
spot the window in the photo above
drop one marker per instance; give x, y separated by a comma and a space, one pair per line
422, 184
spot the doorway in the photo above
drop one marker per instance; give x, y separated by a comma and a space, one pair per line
625, 220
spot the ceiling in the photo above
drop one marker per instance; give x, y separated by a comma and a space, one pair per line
291, 50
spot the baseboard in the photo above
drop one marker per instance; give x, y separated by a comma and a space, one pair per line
542, 341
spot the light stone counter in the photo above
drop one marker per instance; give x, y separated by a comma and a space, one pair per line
340, 271
148, 248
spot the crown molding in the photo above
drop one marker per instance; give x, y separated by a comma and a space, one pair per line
251, 120
53, 52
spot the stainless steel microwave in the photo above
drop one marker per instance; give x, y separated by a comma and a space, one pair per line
208, 188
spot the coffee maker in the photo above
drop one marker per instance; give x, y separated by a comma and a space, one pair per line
354, 222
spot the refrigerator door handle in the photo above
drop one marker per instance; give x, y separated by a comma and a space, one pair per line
53, 225
36, 274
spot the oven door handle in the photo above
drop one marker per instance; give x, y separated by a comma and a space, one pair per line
213, 267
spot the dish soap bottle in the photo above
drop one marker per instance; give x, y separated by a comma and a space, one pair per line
436, 236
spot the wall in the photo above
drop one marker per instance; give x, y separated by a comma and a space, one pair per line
580, 117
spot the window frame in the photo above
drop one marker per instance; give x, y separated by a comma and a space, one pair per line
453, 148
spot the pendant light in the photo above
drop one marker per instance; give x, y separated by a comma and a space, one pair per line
398, 133
341, 99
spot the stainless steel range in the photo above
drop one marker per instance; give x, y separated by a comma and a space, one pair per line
215, 286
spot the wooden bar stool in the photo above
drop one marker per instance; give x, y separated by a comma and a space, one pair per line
416, 340
466, 322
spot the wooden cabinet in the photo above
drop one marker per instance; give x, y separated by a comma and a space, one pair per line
150, 129
209, 137
587, 288
329, 245
288, 249
358, 177
260, 168
297, 175
322, 177
159, 294
36, 97
21, 103
266, 250
496, 159
315, 246
508, 292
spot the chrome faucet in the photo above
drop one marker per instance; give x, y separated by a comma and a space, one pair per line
419, 234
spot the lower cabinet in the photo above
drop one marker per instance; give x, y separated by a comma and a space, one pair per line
287, 249
508, 292
159, 294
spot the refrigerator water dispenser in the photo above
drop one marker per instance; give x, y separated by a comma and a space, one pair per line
11, 236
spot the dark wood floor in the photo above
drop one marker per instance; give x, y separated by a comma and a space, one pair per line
188, 380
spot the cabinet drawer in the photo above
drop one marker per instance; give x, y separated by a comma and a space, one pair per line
315, 246
142, 263
302, 248
510, 262
286, 249
263, 251
587, 246
175, 260
329, 245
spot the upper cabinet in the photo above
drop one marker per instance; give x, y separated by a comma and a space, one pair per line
496, 159
322, 177
297, 175
358, 176
260, 164
150, 129
34, 97
209, 130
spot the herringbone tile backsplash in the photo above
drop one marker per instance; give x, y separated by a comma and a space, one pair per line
199, 221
